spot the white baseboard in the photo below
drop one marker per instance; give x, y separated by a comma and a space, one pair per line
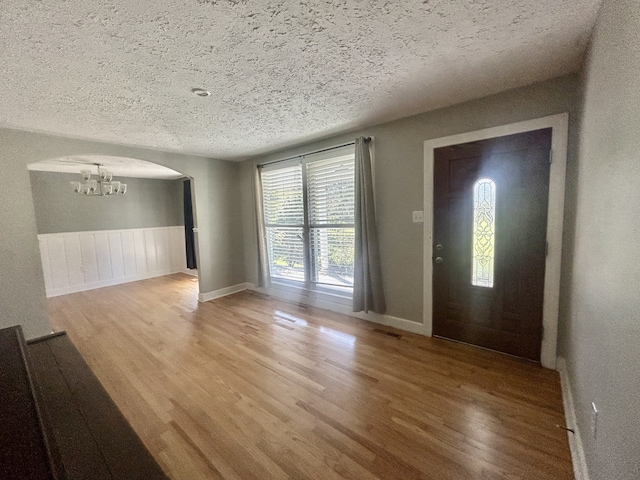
338, 304
388, 320
222, 292
107, 283
578, 458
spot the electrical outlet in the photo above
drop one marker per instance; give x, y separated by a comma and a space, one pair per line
418, 217
594, 419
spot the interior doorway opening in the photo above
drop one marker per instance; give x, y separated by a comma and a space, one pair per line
91, 237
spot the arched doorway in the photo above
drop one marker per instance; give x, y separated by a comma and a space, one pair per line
98, 237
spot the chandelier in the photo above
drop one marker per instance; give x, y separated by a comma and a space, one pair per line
101, 186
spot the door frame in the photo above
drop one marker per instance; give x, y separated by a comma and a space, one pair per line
555, 216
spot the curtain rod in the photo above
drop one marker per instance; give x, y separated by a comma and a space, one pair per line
302, 155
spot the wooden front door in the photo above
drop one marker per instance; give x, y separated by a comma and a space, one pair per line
490, 228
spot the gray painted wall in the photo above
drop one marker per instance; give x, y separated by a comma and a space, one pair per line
22, 293
601, 310
148, 203
399, 159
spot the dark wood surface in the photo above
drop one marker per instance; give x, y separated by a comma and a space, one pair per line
94, 440
508, 316
24, 452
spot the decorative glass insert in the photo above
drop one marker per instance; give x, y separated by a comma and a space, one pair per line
484, 233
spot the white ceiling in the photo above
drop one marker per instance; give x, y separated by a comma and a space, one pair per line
280, 71
119, 166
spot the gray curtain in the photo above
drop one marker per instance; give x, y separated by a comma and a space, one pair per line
368, 293
264, 277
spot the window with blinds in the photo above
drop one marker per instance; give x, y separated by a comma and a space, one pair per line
284, 221
308, 215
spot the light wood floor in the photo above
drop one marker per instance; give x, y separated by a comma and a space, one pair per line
249, 387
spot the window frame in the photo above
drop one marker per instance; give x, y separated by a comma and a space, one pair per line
309, 265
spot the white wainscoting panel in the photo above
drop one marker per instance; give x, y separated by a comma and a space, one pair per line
77, 261
89, 257
103, 256
128, 254
59, 276
139, 252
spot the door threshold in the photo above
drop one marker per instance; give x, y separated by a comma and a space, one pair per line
537, 362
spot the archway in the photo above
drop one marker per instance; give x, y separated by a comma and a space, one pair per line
88, 241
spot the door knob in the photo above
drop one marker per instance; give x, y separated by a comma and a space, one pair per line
439, 260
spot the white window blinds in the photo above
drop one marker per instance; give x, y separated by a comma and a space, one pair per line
284, 221
330, 190
330, 194
282, 190
309, 210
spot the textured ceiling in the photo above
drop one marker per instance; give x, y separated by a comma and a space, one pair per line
280, 71
119, 166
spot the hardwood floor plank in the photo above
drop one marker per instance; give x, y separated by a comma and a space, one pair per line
247, 386
213, 471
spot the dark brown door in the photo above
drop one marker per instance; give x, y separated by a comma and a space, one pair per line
490, 228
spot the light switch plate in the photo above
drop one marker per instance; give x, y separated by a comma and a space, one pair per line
418, 217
